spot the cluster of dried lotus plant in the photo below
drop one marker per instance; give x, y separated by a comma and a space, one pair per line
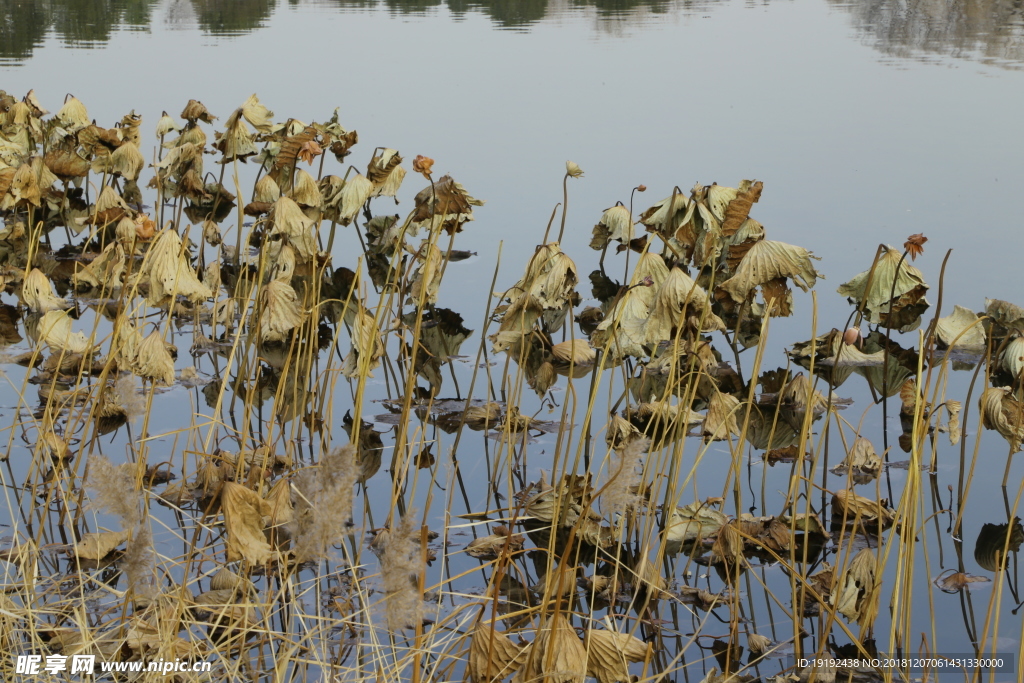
270, 534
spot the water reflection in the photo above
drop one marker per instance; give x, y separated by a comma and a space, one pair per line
985, 30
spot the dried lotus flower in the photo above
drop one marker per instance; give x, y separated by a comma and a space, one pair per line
424, 165
153, 360
166, 124
38, 295
915, 245
73, 116
573, 170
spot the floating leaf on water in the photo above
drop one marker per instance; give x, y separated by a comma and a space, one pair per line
961, 330
609, 654
492, 655
862, 462
1001, 412
54, 329
96, 546
693, 522
556, 655
880, 294
492, 546
244, 511
615, 224
995, 541
864, 511
952, 581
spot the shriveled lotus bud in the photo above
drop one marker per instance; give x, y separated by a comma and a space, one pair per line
851, 336
573, 169
641, 188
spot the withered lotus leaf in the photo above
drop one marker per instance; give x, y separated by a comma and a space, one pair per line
737, 211
96, 546
862, 462
758, 644
615, 224
855, 595
295, 227
168, 273
38, 295
766, 261
166, 124
557, 655
196, 111
257, 115
267, 190
492, 655
951, 581
491, 546
953, 408
103, 271
153, 360
54, 329
73, 116
127, 161
1013, 357
1001, 412
677, 299
877, 294
351, 198
426, 280
366, 343
386, 173
445, 204
720, 423
575, 351
853, 508
693, 522
1010, 316
961, 329
24, 189
236, 142
66, 165
244, 511
995, 541
304, 190
609, 654
280, 312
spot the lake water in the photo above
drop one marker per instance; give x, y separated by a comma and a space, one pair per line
867, 121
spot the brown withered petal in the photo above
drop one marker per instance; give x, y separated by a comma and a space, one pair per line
309, 151
422, 164
915, 245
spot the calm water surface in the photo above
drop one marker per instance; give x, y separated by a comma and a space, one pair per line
867, 121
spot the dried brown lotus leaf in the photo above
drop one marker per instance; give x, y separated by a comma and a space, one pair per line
386, 173
1001, 412
227, 580
492, 655
1005, 314
729, 544
445, 204
166, 124
244, 511
295, 227
954, 582
738, 210
257, 115
127, 161
98, 545
909, 286
492, 546
767, 260
212, 236
196, 111
236, 142
615, 224
693, 522
366, 343
168, 273
33, 102
267, 190
960, 330
426, 280
720, 422
54, 329
24, 189
153, 361
575, 351
758, 644
305, 191
995, 541
621, 333
668, 215
1013, 357
350, 200
104, 271
280, 312
287, 155
557, 655
855, 595
38, 295
678, 298
851, 507
862, 462
609, 654
66, 165
73, 116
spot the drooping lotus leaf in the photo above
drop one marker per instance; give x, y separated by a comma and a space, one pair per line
236, 142
961, 329
294, 227
492, 654
280, 311
609, 654
767, 260
621, 333
1010, 316
738, 210
994, 540
366, 343
258, 115
855, 595
861, 462
1013, 357
386, 173
615, 224
677, 299
168, 273
880, 294
1001, 412
73, 116
153, 360
693, 522
445, 203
